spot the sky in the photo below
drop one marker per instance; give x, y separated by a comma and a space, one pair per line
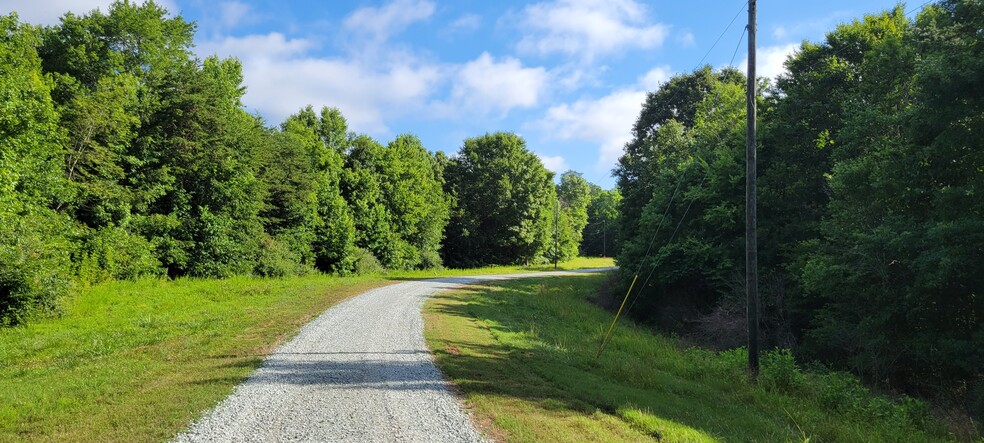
569, 76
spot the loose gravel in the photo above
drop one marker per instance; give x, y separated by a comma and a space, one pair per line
359, 372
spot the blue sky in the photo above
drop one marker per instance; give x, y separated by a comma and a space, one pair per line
568, 75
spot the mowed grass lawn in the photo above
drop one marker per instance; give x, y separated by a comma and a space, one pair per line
138, 361
523, 352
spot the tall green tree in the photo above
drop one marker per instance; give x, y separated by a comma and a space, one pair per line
904, 230
505, 201
34, 252
329, 227
414, 195
573, 195
600, 234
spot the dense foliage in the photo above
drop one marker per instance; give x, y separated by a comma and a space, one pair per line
505, 203
123, 155
871, 219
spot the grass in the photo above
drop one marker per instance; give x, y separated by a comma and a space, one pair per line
138, 361
523, 355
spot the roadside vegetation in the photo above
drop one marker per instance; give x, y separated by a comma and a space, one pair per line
871, 221
523, 355
136, 361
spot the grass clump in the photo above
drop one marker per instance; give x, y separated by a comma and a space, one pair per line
523, 353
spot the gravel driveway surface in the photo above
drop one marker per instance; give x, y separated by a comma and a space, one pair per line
359, 372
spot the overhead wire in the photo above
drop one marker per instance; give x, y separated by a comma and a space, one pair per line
611, 329
722, 35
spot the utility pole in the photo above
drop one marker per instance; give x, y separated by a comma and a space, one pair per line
751, 215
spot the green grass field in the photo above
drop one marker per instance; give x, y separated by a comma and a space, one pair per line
137, 361
523, 355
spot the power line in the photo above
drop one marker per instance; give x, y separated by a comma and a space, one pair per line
668, 241
669, 205
722, 35
738, 46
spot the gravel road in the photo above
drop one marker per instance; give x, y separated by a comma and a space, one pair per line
359, 372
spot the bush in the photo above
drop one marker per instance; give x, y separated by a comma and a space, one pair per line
431, 260
366, 263
35, 266
278, 259
223, 246
780, 371
113, 253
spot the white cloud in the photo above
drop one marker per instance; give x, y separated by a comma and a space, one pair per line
653, 79
48, 12
589, 28
233, 13
554, 163
467, 22
485, 84
606, 121
270, 45
385, 21
281, 77
770, 60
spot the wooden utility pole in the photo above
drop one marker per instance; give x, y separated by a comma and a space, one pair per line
751, 200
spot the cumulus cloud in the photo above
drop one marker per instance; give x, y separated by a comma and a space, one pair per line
554, 163
233, 13
588, 28
770, 60
49, 12
281, 77
485, 84
606, 121
653, 79
385, 21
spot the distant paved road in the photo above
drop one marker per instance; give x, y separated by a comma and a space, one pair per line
359, 372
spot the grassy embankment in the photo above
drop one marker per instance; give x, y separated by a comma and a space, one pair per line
137, 361
523, 354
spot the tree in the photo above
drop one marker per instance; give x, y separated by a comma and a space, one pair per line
904, 230
328, 226
34, 252
682, 180
573, 195
362, 189
416, 201
505, 201
600, 237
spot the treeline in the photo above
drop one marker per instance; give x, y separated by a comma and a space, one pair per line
123, 155
871, 203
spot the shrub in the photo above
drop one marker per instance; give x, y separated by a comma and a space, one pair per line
430, 260
35, 266
366, 263
780, 372
278, 259
113, 253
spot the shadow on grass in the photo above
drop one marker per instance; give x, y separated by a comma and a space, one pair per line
567, 378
